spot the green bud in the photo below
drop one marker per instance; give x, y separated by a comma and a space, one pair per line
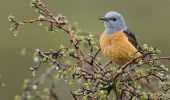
10, 18
97, 76
64, 73
40, 24
36, 59
41, 17
119, 71
33, 1
85, 98
166, 69
17, 97
145, 46
158, 51
15, 32
44, 59
37, 50
87, 85
62, 47
71, 82
34, 73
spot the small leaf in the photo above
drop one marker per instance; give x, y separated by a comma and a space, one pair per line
41, 17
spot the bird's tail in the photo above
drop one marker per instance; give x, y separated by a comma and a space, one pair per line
149, 86
143, 81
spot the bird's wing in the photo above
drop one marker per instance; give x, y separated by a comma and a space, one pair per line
132, 39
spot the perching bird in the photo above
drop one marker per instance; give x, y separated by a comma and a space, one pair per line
119, 44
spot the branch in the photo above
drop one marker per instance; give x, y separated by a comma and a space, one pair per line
75, 63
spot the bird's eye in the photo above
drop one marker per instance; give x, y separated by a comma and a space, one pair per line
113, 19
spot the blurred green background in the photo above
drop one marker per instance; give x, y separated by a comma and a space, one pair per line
149, 19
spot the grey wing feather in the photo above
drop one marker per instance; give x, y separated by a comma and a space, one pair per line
132, 39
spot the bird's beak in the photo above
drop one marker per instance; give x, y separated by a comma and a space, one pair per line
103, 18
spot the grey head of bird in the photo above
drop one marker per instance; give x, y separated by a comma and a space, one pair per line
113, 22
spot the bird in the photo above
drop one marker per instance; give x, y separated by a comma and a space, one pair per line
119, 44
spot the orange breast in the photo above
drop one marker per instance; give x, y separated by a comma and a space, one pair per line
117, 48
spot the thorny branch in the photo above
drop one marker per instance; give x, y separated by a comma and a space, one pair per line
98, 80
